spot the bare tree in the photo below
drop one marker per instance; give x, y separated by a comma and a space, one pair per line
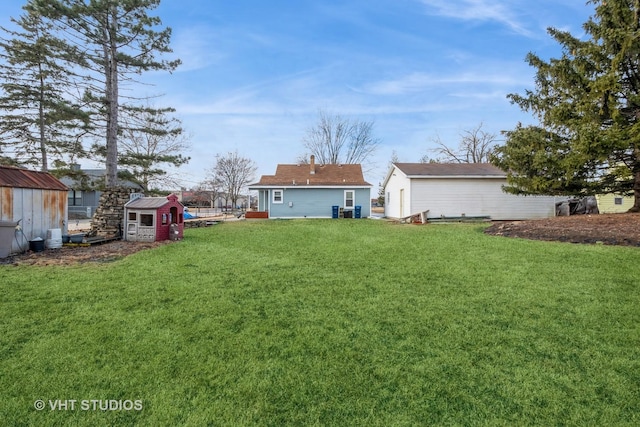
475, 146
339, 140
208, 192
233, 172
151, 141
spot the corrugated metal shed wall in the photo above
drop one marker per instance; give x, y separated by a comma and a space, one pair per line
37, 199
38, 210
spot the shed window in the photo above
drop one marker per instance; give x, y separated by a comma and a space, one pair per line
617, 200
277, 196
348, 199
146, 220
132, 216
165, 219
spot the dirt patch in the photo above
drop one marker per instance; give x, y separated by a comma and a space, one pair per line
69, 255
608, 229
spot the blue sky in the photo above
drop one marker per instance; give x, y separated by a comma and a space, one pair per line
255, 73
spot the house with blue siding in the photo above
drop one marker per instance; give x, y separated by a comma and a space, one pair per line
313, 191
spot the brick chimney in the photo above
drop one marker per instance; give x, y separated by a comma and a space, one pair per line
312, 164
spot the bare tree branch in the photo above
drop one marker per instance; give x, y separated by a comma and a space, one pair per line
338, 140
475, 146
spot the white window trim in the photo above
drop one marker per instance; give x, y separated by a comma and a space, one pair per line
273, 197
353, 199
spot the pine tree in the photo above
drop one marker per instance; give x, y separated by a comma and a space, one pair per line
119, 39
588, 105
41, 118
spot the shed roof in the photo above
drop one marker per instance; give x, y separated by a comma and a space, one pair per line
450, 170
325, 175
150, 202
23, 178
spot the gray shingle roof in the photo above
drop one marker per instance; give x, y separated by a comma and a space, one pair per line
450, 169
147, 203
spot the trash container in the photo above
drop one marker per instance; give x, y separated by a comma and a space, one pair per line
7, 232
335, 212
37, 244
358, 212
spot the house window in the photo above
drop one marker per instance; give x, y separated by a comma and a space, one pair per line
349, 196
617, 200
146, 220
75, 198
278, 196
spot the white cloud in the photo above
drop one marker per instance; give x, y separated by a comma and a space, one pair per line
479, 10
196, 48
418, 82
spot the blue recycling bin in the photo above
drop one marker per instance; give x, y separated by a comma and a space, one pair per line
358, 212
335, 211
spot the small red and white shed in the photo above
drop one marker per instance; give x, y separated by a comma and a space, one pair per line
151, 219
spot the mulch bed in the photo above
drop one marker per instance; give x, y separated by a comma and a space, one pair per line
68, 255
608, 229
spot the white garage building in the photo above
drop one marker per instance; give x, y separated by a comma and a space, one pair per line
458, 189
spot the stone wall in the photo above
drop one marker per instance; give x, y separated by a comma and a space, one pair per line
108, 219
195, 223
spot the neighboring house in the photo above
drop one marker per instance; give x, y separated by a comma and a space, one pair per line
458, 189
314, 191
34, 201
614, 203
85, 191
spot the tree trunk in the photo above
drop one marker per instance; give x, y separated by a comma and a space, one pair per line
636, 193
41, 124
111, 94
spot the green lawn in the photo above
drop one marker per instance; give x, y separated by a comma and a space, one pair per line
343, 322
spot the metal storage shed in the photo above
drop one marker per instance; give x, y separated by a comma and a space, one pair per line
35, 201
151, 219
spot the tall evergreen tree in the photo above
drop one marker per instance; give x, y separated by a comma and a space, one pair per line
119, 39
588, 105
41, 119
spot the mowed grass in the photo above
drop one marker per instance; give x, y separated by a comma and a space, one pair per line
320, 322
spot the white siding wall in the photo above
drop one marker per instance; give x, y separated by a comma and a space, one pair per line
396, 182
476, 197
